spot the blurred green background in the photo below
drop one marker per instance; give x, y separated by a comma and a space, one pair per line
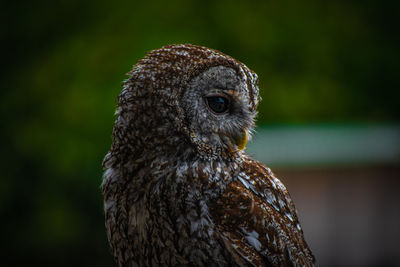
63, 62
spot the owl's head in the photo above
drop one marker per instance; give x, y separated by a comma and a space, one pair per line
219, 104
186, 99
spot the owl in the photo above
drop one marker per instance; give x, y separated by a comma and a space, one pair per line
178, 188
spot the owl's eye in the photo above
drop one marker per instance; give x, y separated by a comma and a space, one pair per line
218, 104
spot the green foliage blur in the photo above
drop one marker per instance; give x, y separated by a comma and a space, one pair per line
62, 67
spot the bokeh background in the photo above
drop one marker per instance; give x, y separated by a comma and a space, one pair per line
329, 119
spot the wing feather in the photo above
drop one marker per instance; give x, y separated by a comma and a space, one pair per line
256, 215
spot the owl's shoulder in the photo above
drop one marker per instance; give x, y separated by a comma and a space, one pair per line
257, 218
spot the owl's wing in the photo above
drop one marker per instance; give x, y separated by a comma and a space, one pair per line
257, 220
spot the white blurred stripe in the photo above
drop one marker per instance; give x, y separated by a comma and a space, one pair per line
326, 144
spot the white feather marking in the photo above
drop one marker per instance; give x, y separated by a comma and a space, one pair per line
252, 239
289, 216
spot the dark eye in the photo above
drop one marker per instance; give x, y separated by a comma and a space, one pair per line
218, 104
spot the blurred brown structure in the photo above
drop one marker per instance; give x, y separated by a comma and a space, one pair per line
350, 215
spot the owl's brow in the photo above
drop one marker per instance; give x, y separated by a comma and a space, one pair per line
231, 92
228, 91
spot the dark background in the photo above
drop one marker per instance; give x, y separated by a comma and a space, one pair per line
63, 63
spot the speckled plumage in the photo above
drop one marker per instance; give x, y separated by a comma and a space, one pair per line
177, 189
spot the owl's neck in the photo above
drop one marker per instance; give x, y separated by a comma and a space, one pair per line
148, 174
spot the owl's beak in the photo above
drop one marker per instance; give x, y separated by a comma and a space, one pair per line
241, 140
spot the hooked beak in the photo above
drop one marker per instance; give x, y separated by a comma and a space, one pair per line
241, 140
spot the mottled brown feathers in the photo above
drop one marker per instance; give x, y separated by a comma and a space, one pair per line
254, 211
178, 190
